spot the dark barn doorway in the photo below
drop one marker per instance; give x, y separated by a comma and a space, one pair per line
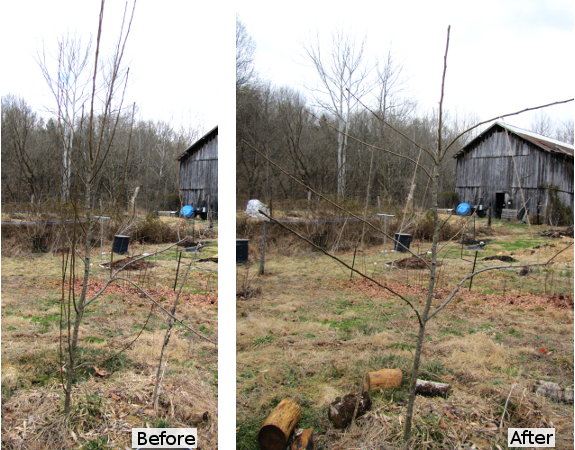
499, 204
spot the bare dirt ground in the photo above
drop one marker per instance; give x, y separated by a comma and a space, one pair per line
308, 331
120, 342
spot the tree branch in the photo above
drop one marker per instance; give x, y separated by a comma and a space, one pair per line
505, 115
345, 264
450, 297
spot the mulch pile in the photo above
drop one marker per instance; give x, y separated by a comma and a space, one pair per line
503, 258
413, 263
567, 232
136, 265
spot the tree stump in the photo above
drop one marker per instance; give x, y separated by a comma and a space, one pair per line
383, 379
278, 426
341, 410
305, 441
431, 388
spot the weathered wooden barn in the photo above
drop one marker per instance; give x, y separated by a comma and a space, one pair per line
503, 160
198, 177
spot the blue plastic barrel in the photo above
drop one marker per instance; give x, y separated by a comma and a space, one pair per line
463, 209
187, 211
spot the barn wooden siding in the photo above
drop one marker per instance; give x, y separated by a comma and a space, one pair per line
198, 180
486, 167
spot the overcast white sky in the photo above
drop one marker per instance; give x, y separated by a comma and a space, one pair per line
176, 53
504, 55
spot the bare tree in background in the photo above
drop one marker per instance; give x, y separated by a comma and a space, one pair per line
100, 102
343, 78
542, 124
245, 53
69, 83
564, 131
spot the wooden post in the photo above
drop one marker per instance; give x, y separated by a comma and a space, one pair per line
383, 379
263, 251
473, 270
279, 425
177, 271
353, 264
489, 215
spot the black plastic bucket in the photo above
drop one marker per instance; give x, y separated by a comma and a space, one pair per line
241, 250
403, 239
121, 244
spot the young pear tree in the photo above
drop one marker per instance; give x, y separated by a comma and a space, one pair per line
430, 163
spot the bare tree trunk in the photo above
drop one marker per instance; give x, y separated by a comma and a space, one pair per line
79, 306
367, 196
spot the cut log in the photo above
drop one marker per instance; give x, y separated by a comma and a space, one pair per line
305, 441
554, 391
383, 379
342, 409
431, 388
278, 426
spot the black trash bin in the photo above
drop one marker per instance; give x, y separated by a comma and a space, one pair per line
241, 250
121, 244
403, 239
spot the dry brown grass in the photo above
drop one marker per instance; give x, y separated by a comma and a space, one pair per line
110, 396
312, 333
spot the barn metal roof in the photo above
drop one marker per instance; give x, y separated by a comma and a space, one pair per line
200, 142
544, 143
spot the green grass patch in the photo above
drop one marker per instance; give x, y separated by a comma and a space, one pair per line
100, 443
515, 332
402, 346
262, 340
94, 339
45, 322
520, 244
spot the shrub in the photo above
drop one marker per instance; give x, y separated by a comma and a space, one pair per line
153, 231
557, 212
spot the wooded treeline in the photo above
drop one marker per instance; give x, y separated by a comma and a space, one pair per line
319, 134
280, 123
301, 133
33, 159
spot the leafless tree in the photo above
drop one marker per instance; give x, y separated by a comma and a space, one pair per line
101, 125
67, 74
564, 131
542, 124
21, 165
245, 54
343, 78
430, 165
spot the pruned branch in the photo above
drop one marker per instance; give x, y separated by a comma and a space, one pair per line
456, 289
113, 276
505, 115
341, 208
387, 288
165, 310
397, 131
375, 147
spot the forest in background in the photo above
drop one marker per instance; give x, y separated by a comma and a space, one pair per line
33, 151
298, 130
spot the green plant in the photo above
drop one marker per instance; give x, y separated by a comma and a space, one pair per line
100, 443
161, 422
153, 231
262, 340
91, 405
557, 212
